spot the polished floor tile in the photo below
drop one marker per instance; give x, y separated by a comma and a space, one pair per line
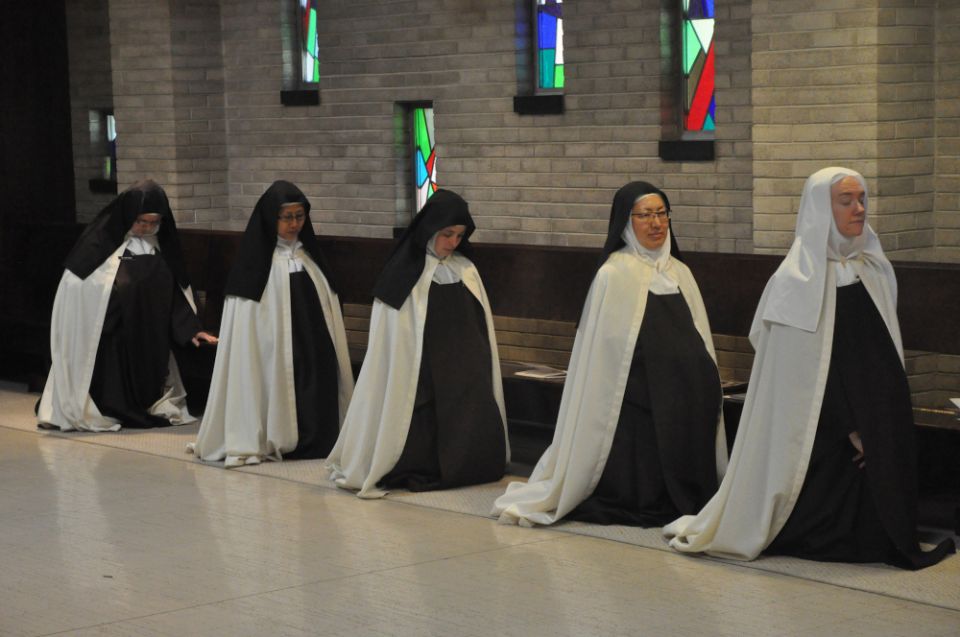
102, 541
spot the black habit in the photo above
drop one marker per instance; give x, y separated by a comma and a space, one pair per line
662, 462
315, 370
147, 311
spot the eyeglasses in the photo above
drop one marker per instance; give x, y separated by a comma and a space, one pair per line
647, 217
291, 218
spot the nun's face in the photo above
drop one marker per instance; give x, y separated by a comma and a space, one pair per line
147, 223
650, 219
448, 239
290, 221
847, 197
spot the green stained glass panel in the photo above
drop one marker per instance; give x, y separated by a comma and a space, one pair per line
425, 158
547, 68
691, 46
310, 43
422, 133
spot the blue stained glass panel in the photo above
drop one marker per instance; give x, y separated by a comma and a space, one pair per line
421, 169
699, 9
549, 45
547, 31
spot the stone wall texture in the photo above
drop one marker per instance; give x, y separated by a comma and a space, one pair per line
870, 84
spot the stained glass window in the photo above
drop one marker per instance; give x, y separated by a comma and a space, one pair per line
549, 34
697, 43
310, 43
110, 161
424, 154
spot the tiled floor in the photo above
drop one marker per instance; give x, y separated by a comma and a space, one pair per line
102, 541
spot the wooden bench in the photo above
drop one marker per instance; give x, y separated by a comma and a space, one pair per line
536, 294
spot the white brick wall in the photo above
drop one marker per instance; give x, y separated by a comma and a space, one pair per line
542, 180
947, 105
868, 84
872, 84
168, 100
814, 89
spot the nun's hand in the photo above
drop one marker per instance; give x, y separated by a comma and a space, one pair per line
858, 445
203, 336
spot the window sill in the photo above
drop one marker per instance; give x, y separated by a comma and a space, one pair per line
551, 104
300, 97
687, 150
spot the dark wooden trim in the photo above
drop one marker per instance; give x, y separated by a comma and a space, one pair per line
731, 285
928, 305
547, 282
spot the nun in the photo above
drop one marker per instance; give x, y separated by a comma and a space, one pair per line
123, 300
428, 411
282, 377
824, 464
639, 438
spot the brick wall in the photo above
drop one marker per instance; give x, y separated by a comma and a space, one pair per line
866, 85
905, 127
814, 104
870, 84
168, 99
947, 105
91, 91
529, 179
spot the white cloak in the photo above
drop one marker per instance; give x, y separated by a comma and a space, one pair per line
569, 470
777, 429
252, 406
79, 310
375, 430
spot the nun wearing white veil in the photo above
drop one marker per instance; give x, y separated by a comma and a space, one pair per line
428, 408
639, 437
824, 464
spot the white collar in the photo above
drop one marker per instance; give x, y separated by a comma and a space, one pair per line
146, 244
443, 274
659, 259
289, 250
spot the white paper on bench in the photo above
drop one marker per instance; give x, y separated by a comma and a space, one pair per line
542, 372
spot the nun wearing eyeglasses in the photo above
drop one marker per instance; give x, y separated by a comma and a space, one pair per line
639, 437
282, 377
428, 411
824, 464
123, 301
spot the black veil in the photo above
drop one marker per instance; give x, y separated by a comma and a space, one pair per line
107, 231
406, 261
250, 271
